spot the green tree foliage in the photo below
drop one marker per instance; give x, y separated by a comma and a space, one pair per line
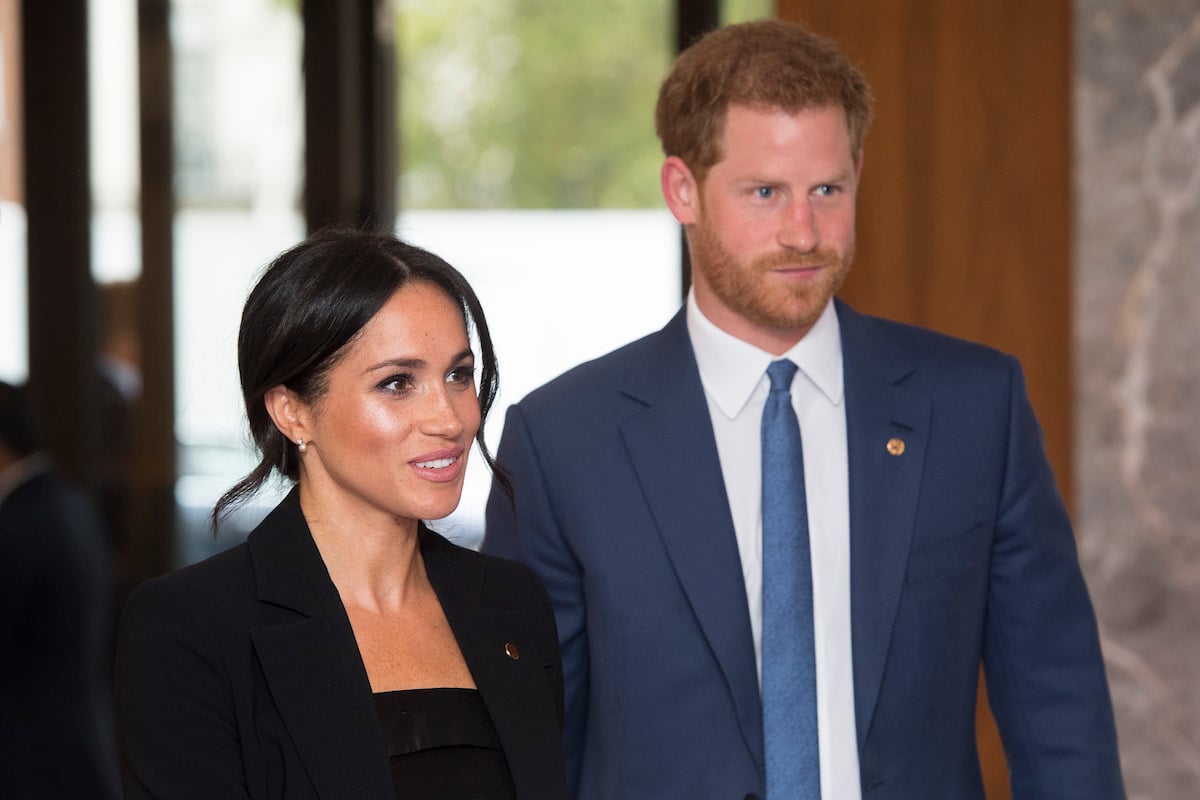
530, 103
743, 10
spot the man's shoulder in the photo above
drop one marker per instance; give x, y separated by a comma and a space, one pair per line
44, 492
47, 515
866, 332
606, 374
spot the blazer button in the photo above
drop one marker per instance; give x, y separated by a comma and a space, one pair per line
752, 796
511, 651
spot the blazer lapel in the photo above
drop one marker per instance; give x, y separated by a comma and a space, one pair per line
513, 689
686, 493
884, 485
313, 667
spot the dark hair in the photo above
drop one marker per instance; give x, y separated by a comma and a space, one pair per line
311, 302
17, 429
764, 64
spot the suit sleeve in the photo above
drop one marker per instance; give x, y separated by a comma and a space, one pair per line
527, 530
1044, 669
175, 708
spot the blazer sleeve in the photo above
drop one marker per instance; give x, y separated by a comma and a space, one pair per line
1045, 673
542, 610
526, 529
175, 708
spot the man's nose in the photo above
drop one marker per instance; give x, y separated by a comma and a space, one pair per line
798, 230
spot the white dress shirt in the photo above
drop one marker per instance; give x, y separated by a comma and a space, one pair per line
735, 384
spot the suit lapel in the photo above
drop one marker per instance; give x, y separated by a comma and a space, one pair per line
686, 493
514, 690
884, 489
313, 667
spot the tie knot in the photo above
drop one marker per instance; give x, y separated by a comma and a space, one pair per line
781, 373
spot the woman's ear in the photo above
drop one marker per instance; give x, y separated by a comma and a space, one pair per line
680, 190
288, 413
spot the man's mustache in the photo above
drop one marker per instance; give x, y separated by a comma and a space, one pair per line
821, 258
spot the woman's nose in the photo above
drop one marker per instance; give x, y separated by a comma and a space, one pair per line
441, 415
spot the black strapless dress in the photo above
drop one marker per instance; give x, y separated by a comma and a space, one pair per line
441, 744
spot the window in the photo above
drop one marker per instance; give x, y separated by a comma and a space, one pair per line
238, 137
529, 161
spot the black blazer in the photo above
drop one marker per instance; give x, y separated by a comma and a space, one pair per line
239, 677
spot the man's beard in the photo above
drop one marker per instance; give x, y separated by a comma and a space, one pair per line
746, 289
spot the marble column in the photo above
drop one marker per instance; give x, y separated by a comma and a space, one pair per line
1137, 345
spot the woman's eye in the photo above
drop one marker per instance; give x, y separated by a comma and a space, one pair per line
397, 383
461, 375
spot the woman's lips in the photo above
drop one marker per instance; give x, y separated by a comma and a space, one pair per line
440, 466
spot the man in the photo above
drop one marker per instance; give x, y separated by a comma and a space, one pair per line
694, 544
56, 736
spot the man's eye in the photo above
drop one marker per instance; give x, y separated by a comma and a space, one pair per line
765, 192
826, 189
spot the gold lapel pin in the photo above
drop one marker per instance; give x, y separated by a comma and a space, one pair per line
511, 651
895, 446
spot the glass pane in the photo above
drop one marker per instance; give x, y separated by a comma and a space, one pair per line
733, 11
114, 145
238, 159
527, 104
529, 161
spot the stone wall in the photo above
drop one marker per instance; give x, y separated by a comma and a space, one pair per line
1137, 329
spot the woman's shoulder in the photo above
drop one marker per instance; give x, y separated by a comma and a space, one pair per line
214, 587
501, 579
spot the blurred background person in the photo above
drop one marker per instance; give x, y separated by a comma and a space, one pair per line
55, 716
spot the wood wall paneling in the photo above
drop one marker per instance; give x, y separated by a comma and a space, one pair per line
965, 207
10, 102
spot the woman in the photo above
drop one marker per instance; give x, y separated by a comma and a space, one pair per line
345, 650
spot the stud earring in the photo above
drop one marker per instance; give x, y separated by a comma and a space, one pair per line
302, 445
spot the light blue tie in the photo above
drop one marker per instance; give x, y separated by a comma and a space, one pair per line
789, 671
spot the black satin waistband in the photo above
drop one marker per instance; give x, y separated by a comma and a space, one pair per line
422, 719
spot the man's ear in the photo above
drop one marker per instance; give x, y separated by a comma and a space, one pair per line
287, 412
681, 190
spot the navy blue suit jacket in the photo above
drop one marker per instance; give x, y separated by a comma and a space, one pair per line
961, 552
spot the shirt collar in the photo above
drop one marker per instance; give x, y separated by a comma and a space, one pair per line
732, 369
21, 471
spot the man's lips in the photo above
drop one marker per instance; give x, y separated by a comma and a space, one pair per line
797, 270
